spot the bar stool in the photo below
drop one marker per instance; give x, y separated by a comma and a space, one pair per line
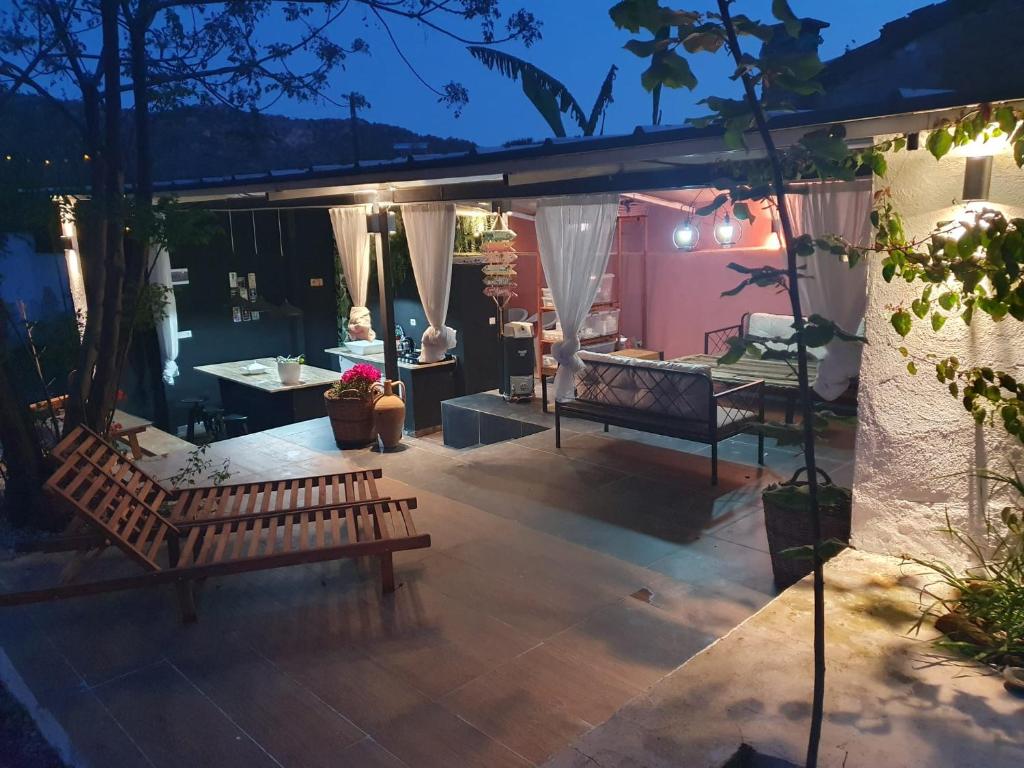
235, 425
196, 414
213, 421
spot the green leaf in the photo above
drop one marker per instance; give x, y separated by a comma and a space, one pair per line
912, 368
904, 351
920, 308
1006, 119
670, 69
737, 348
888, 271
940, 142
650, 15
713, 206
938, 321
782, 12
947, 300
879, 166
704, 40
645, 48
742, 212
902, 322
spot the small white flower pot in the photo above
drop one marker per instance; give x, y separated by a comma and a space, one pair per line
289, 373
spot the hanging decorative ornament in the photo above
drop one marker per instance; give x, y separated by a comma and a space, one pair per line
499, 272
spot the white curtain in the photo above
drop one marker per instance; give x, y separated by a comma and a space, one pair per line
353, 241
575, 237
832, 288
167, 328
430, 229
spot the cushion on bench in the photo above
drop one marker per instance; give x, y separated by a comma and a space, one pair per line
682, 390
763, 325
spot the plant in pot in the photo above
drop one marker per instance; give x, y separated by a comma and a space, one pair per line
349, 405
289, 369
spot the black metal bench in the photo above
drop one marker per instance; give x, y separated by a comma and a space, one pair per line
664, 399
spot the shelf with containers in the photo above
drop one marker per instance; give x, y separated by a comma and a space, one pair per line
601, 328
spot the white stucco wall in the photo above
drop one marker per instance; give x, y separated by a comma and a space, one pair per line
914, 440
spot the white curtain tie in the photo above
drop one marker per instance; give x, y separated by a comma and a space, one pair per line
566, 353
171, 371
435, 343
359, 328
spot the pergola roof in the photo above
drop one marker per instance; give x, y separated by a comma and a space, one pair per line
661, 157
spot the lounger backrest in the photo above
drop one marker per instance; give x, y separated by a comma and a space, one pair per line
680, 390
83, 440
100, 499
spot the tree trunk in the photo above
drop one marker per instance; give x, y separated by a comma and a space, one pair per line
793, 276
103, 394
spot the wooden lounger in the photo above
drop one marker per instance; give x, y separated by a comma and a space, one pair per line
214, 501
184, 552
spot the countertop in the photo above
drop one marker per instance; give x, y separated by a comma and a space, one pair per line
378, 359
268, 381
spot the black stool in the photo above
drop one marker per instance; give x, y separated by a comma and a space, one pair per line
196, 414
235, 425
213, 421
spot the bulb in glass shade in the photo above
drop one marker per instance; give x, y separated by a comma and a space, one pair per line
727, 232
685, 236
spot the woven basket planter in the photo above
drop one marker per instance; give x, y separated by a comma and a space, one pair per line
788, 520
351, 417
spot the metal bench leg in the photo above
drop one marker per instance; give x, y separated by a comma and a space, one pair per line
790, 409
558, 428
544, 393
760, 448
605, 427
387, 572
714, 463
186, 601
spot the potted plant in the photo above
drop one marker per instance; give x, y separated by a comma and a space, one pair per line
789, 523
349, 405
289, 369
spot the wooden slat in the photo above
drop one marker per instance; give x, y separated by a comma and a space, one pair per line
188, 548
319, 522
254, 542
383, 525
349, 493
222, 544
403, 507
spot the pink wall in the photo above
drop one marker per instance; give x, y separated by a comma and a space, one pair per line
683, 289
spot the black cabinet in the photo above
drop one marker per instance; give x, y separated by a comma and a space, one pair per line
475, 318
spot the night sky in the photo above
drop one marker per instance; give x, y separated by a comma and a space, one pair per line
579, 44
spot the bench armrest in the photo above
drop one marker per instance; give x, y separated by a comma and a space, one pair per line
739, 402
717, 340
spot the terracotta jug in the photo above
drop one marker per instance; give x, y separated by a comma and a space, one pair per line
389, 411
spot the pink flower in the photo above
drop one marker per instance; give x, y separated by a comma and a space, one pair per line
361, 372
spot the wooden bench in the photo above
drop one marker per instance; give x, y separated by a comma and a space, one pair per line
671, 399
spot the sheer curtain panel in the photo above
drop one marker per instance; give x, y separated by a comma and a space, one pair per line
575, 238
831, 287
430, 230
167, 327
353, 241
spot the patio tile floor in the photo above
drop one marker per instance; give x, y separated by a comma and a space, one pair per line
560, 585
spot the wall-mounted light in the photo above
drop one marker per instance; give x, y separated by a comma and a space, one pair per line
686, 235
977, 178
727, 232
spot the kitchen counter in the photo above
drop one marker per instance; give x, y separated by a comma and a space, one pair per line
377, 360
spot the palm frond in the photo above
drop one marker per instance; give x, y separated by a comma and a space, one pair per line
549, 96
604, 98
